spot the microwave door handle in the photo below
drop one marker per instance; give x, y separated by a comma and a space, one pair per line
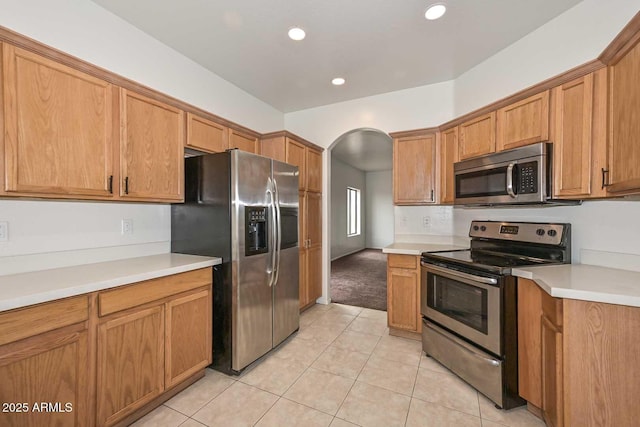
510, 180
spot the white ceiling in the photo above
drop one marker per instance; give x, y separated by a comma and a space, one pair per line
378, 46
366, 149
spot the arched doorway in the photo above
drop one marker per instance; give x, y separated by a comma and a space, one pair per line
361, 217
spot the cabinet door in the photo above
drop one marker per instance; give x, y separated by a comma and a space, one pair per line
529, 354
552, 390
579, 118
624, 126
151, 150
295, 154
51, 368
314, 273
402, 299
58, 127
205, 135
274, 148
303, 286
243, 141
524, 122
414, 170
313, 170
188, 336
448, 156
313, 226
477, 136
130, 363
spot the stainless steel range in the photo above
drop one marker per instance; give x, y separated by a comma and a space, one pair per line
469, 301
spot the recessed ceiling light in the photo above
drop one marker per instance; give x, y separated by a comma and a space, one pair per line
297, 34
338, 81
435, 11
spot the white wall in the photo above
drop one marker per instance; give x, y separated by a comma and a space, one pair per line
343, 176
48, 234
45, 234
577, 36
419, 107
84, 29
602, 226
379, 209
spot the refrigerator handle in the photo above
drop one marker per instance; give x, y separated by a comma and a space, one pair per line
271, 266
279, 232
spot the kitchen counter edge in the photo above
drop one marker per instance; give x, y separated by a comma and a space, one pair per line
401, 248
586, 282
26, 289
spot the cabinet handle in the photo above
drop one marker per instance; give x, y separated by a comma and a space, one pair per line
110, 184
126, 185
605, 175
432, 195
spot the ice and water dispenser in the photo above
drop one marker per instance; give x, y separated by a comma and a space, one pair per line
256, 241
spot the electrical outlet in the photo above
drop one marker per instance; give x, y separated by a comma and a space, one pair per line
127, 227
4, 231
426, 222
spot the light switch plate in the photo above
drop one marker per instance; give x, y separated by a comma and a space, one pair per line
4, 231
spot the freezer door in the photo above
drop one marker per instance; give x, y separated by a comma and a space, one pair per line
251, 291
286, 311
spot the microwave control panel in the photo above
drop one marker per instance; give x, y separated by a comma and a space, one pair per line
528, 178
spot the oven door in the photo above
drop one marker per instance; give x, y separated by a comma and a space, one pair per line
464, 303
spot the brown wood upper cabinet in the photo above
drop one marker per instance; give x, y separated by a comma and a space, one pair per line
243, 141
448, 156
206, 135
414, 161
59, 130
578, 132
313, 170
624, 125
477, 136
524, 122
151, 149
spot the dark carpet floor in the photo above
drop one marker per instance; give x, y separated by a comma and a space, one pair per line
360, 279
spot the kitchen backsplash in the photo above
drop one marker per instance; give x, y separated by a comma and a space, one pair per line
48, 234
602, 226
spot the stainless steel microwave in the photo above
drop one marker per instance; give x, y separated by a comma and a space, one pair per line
518, 176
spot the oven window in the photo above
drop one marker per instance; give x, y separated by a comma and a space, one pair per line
465, 303
491, 182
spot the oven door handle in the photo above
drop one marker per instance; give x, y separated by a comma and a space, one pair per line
464, 346
460, 274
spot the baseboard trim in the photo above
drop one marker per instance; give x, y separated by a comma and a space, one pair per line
354, 252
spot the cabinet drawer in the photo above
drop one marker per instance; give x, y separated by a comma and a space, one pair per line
402, 261
26, 322
151, 290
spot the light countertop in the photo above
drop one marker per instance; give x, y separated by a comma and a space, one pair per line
21, 290
586, 282
418, 248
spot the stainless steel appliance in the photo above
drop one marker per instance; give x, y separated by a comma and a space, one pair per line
469, 301
244, 208
518, 176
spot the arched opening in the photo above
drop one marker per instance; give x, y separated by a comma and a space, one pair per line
361, 217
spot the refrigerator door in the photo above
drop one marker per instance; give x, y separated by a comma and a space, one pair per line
286, 311
251, 291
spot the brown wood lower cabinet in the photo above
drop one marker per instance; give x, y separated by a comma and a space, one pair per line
152, 339
403, 292
130, 363
582, 364
43, 379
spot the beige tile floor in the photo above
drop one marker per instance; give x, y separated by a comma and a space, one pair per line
341, 369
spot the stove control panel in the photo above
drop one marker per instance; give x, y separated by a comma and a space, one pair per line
531, 232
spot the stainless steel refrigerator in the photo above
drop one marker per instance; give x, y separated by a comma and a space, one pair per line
243, 208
